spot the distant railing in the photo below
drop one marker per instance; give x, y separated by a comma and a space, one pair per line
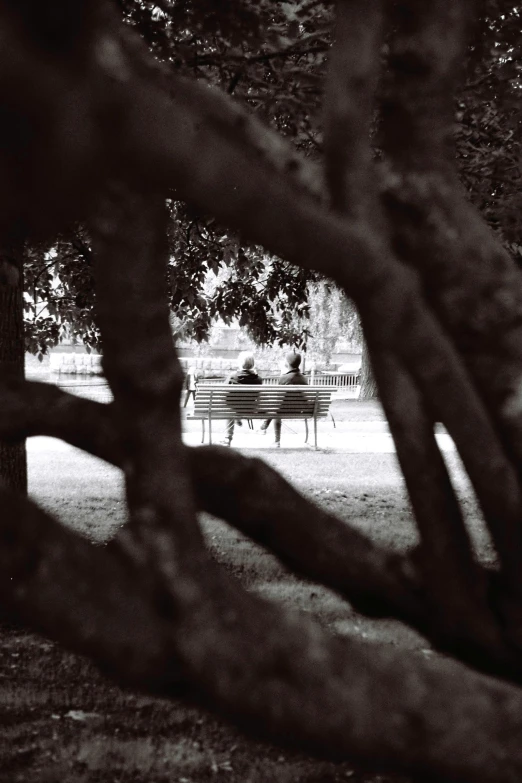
99, 390
346, 380
83, 365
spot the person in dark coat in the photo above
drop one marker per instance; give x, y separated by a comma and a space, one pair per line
246, 374
291, 375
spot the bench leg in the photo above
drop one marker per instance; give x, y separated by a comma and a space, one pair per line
306, 430
315, 431
202, 430
333, 420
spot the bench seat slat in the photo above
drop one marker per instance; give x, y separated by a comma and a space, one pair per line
279, 398
274, 397
262, 404
227, 414
236, 401
247, 413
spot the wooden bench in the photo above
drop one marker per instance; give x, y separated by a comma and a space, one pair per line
237, 401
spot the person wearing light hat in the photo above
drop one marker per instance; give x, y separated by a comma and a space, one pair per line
246, 375
191, 384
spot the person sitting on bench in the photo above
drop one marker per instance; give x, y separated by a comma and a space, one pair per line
291, 375
246, 375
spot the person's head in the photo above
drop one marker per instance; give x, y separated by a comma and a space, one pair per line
293, 360
245, 360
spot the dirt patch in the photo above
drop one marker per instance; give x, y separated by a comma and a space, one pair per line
63, 722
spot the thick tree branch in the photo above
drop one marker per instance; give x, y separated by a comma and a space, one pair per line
13, 461
217, 158
87, 597
145, 376
291, 680
353, 73
247, 493
426, 58
250, 495
453, 581
455, 584
471, 281
280, 673
207, 123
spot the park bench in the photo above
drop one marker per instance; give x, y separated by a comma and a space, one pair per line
236, 401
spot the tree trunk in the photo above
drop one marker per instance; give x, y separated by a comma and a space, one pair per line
368, 385
13, 459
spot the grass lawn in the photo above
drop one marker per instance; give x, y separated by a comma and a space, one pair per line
62, 721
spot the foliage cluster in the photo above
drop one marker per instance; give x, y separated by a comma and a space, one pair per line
271, 57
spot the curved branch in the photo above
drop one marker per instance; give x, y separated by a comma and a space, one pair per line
255, 499
87, 597
454, 583
222, 160
185, 135
292, 681
472, 283
225, 162
246, 493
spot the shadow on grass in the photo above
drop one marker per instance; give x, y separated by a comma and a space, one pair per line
62, 721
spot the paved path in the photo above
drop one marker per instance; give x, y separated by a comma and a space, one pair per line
361, 437
354, 457
355, 437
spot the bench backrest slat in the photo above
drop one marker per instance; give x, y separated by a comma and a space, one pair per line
256, 401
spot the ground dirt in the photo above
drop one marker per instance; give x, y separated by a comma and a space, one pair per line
63, 721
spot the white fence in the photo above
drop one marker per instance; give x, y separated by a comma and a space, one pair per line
212, 370
99, 390
75, 363
73, 370
346, 380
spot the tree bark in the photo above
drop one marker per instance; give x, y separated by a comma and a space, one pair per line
254, 661
367, 382
13, 458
